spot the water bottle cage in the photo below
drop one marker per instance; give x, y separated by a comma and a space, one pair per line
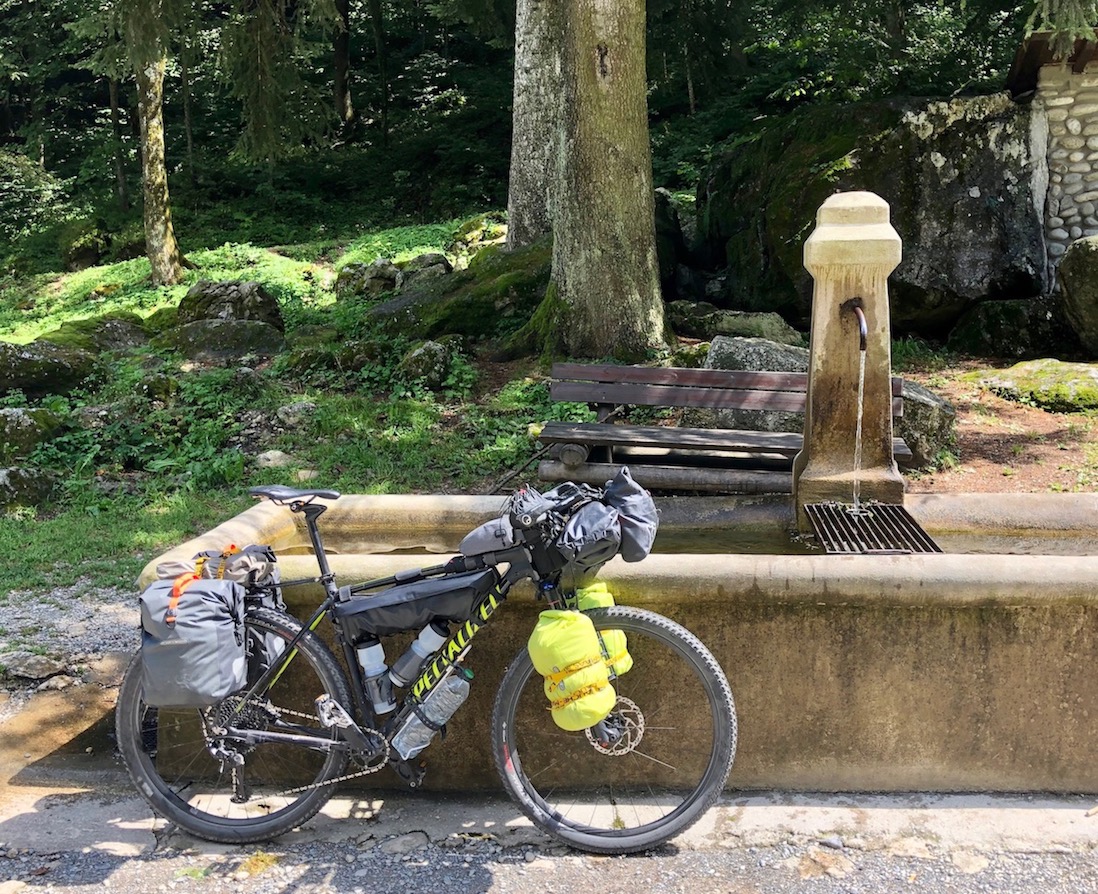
427, 721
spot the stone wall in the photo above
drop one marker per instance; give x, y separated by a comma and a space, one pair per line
1070, 104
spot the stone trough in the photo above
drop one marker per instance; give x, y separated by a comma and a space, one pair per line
965, 671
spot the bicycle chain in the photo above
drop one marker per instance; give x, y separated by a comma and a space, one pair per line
337, 779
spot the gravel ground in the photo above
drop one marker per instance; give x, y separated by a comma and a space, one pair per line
410, 864
46, 639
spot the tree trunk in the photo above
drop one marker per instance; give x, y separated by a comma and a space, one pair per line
536, 122
341, 80
188, 129
605, 271
160, 244
121, 189
377, 24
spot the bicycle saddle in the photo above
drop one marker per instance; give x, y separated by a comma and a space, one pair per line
279, 493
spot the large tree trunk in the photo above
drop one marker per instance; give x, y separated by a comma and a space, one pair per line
341, 80
605, 271
121, 189
160, 244
536, 122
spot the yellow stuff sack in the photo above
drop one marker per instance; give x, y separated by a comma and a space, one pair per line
618, 659
565, 650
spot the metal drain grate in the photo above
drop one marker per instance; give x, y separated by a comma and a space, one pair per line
874, 529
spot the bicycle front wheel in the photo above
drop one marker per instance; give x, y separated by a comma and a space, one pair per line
216, 786
677, 726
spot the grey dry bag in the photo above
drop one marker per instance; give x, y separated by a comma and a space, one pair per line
192, 641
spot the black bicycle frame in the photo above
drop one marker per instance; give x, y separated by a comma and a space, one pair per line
520, 567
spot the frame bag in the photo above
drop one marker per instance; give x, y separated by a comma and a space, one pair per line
192, 641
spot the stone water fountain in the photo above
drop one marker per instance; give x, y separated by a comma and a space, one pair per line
973, 670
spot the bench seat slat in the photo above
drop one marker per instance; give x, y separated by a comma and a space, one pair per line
701, 378
731, 440
674, 396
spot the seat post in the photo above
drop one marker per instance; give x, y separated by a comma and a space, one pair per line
312, 512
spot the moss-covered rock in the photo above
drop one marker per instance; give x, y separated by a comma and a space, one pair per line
25, 487
928, 424
428, 364
162, 320
21, 430
1079, 278
222, 339
1023, 328
1052, 384
494, 296
230, 300
699, 319
958, 175
43, 368
118, 331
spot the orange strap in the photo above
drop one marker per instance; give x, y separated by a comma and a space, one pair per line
181, 584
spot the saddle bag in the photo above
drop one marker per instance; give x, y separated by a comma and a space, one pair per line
565, 650
192, 641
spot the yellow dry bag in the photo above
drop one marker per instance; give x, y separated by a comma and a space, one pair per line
565, 650
618, 659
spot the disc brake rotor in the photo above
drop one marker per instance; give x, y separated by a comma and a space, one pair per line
626, 721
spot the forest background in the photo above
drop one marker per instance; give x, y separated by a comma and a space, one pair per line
302, 137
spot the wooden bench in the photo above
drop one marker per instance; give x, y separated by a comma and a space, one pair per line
666, 457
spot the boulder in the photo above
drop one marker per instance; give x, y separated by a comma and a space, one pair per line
476, 233
425, 266
927, 425
21, 430
111, 332
495, 296
42, 368
1053, 384
1079, 279
222, 339
230, 300
427, 364
24, 487
699, 319
369, 280
752, 354
964, 178
1022, 328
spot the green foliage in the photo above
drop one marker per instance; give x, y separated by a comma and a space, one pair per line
30, 198
913, 354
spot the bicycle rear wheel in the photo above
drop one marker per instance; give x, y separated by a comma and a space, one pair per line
679, 722
167, 751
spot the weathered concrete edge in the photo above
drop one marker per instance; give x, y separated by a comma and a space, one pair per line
839, 580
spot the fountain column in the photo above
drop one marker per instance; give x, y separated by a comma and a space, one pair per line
850, 255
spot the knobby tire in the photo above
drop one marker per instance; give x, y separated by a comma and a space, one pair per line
615, 804
165, 752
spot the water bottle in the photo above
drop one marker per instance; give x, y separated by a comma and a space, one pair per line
375, 674
407, 666
438, 707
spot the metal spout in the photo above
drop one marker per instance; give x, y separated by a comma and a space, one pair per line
855, 305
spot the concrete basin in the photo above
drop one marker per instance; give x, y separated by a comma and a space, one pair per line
973, 670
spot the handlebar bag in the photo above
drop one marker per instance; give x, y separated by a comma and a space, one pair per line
414, 605
637, 513
192, 641
591, 537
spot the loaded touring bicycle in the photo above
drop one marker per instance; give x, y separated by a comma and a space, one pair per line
613, 730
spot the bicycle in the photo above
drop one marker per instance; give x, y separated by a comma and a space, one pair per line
265, 760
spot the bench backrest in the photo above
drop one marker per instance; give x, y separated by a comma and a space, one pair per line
718, 389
